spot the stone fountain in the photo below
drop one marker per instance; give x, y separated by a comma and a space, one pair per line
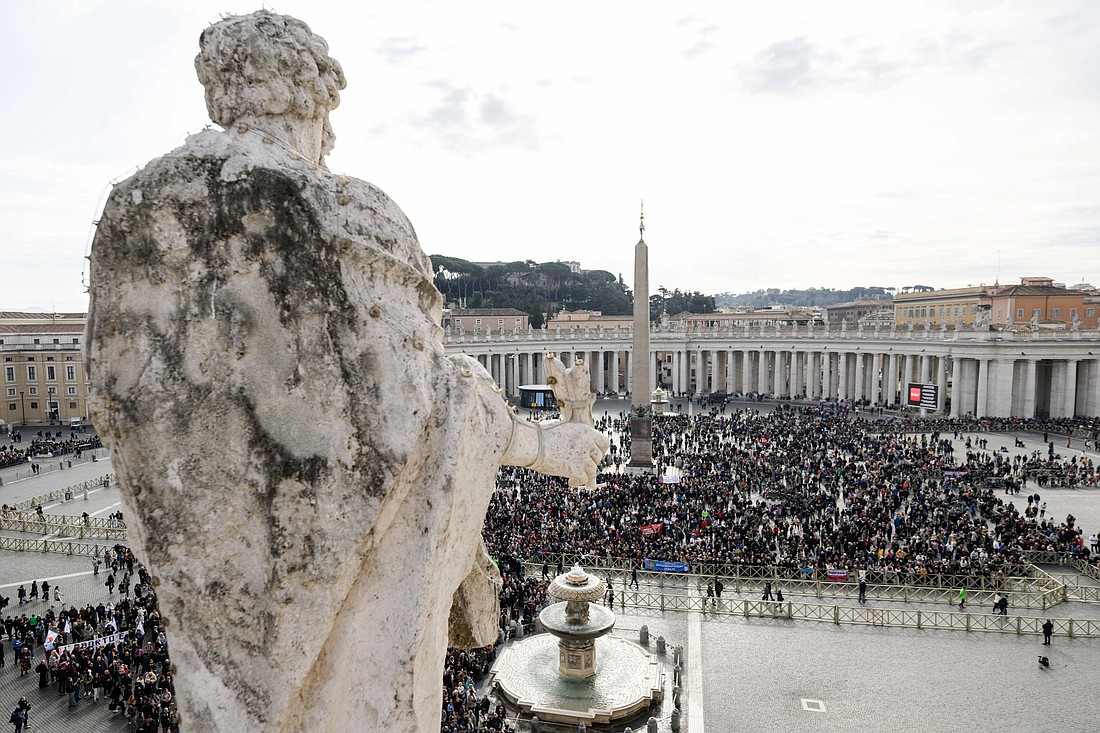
617, 689
576, 621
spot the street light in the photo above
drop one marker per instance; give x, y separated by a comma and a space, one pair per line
22, 409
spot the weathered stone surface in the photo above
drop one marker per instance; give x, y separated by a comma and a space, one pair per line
305, 469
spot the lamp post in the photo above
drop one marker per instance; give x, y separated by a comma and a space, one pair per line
22, 409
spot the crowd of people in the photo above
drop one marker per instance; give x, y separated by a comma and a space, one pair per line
45, 443
811, 487
114, 652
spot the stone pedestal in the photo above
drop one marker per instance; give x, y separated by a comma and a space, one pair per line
577, 659
641, 442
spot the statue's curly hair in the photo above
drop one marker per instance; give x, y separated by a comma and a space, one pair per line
266, 64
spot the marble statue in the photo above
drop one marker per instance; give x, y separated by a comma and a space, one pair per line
304, 469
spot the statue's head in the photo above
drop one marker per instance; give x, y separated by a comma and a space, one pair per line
267, 64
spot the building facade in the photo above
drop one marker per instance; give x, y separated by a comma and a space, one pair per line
43, 375
485, 319
979, 373
940, 306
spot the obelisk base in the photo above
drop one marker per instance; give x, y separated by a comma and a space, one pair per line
641, 443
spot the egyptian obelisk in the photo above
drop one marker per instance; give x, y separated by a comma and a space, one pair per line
641, 414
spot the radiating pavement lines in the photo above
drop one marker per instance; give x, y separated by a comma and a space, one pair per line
694, 673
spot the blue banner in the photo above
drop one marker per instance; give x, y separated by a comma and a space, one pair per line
662, 566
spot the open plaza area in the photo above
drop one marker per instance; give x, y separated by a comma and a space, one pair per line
812, 657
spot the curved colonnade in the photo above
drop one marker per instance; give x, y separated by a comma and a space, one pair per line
994, 373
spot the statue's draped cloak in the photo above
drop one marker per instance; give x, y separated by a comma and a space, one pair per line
303, 468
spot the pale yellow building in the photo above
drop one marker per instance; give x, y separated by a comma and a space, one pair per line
42, 374
940, 305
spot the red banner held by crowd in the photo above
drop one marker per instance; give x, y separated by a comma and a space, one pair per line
648, 530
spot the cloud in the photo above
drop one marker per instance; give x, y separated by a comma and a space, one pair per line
398, 49
702, 43
788, 66
797, 65
473, 122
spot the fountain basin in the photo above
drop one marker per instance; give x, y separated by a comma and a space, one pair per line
628, 680
554, 619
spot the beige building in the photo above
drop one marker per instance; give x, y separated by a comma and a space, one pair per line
766, 318
856, 310
485, 319
43, 375
591, 319
940, 305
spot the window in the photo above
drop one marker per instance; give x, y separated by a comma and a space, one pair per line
72, 405
1037, 313
32, 390
964, 309
76, 340
1090, 312
37, 341
477, 321
998, 314
1072, 312
1019, 312
32, 373
68, 358
72, 390
11, 405
34, 405
70, 372
1055, 312
51, 374
9, 374
49, 358
500, 321
11, 391
57, 341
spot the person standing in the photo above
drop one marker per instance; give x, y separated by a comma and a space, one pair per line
1048, 631
962, 598
20, 717
862, 591
46, 591
110, 583
767, 591
634, 572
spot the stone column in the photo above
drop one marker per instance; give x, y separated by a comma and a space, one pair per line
513, 388
615, 371
1029, 388
827, 391
981, 396
746, 371
653, 369
941, 383
601, 383
860, 364
762, 372
814, 387
729, 372
799, 374
1070, 404
842, 368
876, 379
685, 370
700, 371
630, 375
956, 387
1093, 405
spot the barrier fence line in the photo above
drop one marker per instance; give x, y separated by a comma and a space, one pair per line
864, 615
1033, 581
64, 547
66, 494
67, 527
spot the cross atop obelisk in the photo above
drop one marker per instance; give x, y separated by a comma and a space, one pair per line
641, 414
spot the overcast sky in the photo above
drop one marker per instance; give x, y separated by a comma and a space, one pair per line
788, 144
